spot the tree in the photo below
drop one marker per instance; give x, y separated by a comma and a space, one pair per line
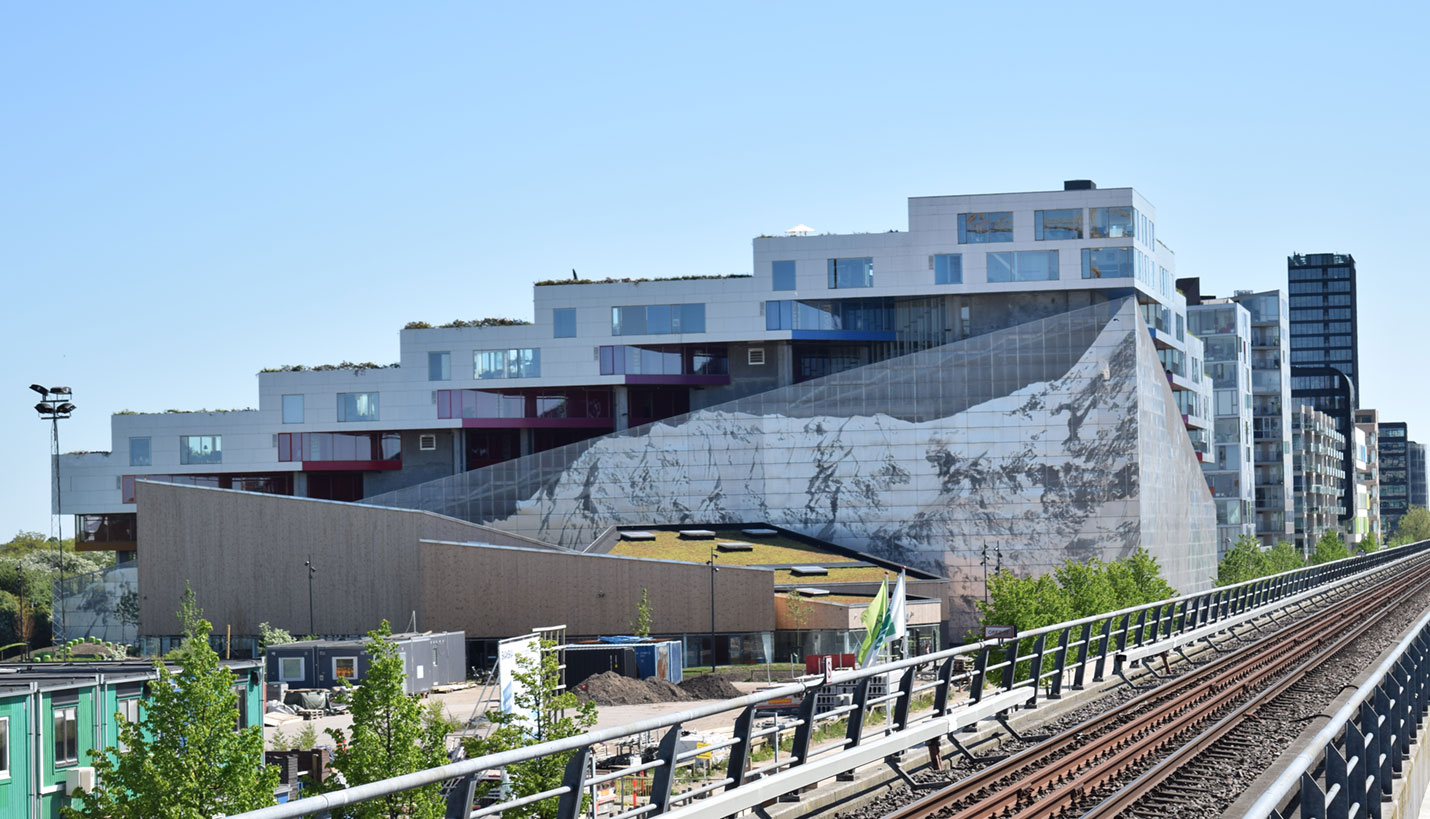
797, 610
644, 616
1329, 547
272, 636
541, 714
1369, 544
190, 615
1243, 562
183, 758
388, 738
1414, 525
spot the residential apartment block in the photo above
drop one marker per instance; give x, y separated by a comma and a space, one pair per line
879, 390
1319, 450
1367, 478
1225, 330
1394, 474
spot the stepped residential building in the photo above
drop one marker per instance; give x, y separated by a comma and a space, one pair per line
1013, 370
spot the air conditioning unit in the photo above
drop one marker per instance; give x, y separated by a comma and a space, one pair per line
756, 356
79, 779
427, 443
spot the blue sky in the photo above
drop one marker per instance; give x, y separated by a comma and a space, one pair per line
191, 192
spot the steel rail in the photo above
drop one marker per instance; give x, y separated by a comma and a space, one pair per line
1060, 774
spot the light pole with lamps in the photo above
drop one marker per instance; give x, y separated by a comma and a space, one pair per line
55, 406
713, 570
312, 570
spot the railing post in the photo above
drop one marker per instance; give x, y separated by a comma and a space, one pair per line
1010, 660
1339, 808
1102, 650
1141, 627
1083, 655
740, 751
1357, 769
1060, 657
980, 672
663, 780
461, 797
941, 691
805, 730
854, 725
1035, 668
906, 693
1313, 799
1385, 733
569, 805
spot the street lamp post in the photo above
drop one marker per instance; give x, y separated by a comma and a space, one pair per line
55, 406
713, 570
312, 570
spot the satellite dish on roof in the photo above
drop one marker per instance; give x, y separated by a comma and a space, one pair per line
800, 230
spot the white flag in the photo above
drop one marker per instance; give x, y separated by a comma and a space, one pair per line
899, 610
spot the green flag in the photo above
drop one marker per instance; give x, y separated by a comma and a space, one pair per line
877, 626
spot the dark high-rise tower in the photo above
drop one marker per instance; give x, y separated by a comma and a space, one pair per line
1394, 474
1325, 367
1323, 312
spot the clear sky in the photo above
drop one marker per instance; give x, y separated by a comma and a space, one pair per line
192, 192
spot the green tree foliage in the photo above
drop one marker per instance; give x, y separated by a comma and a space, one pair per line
644, 616
1248, 561
29, 564
272, 636
552, 715
1368, 544
183, 759
388, 738
1414, 527
1329, 547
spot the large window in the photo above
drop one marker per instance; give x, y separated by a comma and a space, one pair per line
847, 273
861, 315
563, 322
1057, 224
978, 228
1113, 223
546, 402
292, 409
657, 319
783, 274
200, 449
664, 360
139, 452
1023, 266
290, 669
65, 733
439, 366
1107, 263
357, 406
339, 446
948, 268
520, 363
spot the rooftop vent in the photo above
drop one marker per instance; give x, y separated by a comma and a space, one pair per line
1079, 185
697, 534
734, 546
808, 571
810, 591
759, 532
637, 535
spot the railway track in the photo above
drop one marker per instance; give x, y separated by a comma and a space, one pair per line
1108, 764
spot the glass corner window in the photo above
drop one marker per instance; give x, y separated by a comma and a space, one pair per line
563, 322
293, 409
783, 275
139, 452
439, 366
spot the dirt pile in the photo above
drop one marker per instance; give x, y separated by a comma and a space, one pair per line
710, 687
610, 688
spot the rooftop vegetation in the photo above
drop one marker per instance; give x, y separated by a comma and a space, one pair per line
551, 282
318, 368
494, 321
668, 545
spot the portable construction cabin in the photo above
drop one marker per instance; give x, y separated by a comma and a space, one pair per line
428, 659
589, 659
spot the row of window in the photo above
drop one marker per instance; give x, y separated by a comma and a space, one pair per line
1027, 265
657, 319
663, 360
544, 403
1327, 300
339, 446
1319, 286
1321, 315
1316, 274
1319, 356
292, 669
1050, 225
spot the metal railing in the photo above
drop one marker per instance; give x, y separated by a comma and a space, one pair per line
1348, 766
1003, 676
